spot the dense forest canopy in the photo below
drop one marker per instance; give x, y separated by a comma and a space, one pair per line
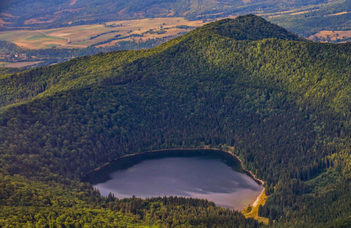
282, 102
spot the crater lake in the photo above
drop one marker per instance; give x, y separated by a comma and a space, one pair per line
214, 176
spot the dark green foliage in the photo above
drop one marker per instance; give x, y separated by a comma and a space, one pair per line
26, 202
4, 71
249, 27
284, 105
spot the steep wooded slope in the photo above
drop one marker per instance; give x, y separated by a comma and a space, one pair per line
282, 102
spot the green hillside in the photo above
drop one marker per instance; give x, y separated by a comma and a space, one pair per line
282, 102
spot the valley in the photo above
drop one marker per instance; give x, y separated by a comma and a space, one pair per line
59, 33
100, 35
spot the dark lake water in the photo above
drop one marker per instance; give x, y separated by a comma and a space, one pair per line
196, 177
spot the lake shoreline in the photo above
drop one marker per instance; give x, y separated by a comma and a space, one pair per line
152, 154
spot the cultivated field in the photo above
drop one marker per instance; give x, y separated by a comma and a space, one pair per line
105, 34
332, 36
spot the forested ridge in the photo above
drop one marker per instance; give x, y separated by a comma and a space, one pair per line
282, 102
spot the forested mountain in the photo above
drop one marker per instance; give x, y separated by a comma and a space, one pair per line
281, 101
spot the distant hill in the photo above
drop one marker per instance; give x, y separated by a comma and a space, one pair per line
335, 16
248, 28
12, 55
49, 14
282, 102
8, 47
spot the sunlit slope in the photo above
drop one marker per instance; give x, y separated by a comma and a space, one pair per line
88, 70
282, 102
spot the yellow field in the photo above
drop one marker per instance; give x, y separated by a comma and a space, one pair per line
338, 14
252, 210
331, 35
298, 11
85, 35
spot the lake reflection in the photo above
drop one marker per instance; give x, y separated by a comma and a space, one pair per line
194, 177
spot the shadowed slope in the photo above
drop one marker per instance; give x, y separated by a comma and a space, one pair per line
283, 104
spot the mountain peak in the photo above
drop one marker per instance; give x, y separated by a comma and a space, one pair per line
249, 27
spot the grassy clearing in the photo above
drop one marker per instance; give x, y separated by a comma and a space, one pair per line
252, 210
